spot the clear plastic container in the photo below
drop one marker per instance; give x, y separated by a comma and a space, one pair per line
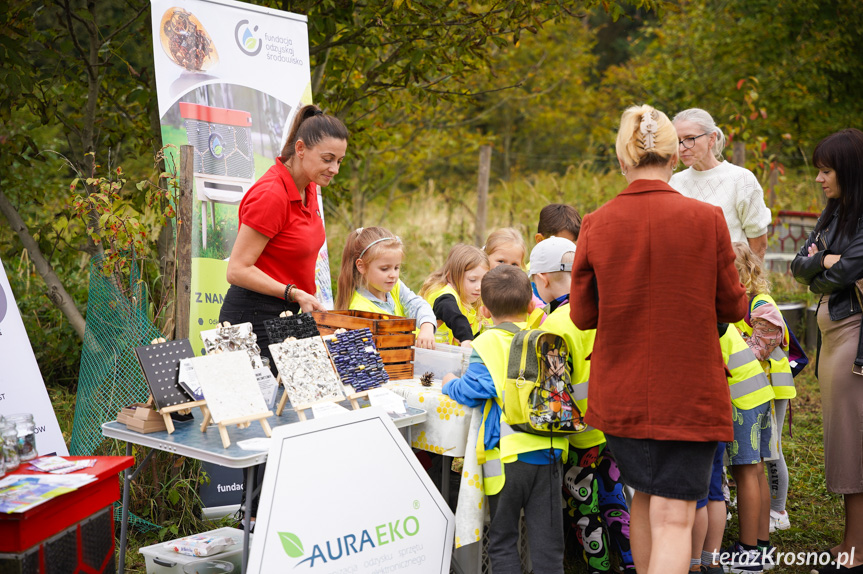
26, 435
10, 447
441, 360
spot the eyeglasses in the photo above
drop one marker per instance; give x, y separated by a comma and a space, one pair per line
689, 142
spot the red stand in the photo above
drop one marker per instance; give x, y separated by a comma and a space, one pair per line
31, 537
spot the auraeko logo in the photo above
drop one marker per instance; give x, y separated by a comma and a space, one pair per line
247, 39
347, 544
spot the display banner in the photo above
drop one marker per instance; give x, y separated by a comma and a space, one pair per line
229, 78
346, 494
22, 389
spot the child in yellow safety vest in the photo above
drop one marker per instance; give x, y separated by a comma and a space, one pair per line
595, 504
453, 291
751, 399
767, 335
522, 471
369, 281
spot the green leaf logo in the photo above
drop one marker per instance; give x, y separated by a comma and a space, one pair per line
292, 544
251, 43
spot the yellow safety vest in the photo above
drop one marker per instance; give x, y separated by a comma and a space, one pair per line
779, 366
362, 303
580, 345
444, 333
493, 348
748, 384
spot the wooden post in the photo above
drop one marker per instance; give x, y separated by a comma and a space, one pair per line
738, 156
772, 180
482, 193
184, 241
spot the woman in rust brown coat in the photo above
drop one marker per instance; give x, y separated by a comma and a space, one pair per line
653, 274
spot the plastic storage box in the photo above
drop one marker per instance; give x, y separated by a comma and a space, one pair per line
160, 560
440, 361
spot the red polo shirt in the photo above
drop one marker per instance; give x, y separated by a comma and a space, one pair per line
274, 207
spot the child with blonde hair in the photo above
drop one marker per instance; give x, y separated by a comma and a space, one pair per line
369, 281
769, 338
752, 406
505, 246
454, 293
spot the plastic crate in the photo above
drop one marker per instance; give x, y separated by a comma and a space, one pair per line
160, 560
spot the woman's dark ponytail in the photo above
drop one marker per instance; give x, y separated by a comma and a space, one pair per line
312, 126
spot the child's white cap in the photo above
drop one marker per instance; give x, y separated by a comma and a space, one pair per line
546, 257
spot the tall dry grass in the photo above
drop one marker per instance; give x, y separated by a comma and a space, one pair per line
434, 218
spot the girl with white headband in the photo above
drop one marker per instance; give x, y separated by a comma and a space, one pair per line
369, 281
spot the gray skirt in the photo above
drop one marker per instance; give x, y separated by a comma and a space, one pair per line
841, 402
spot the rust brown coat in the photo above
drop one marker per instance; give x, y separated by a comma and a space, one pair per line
653, 274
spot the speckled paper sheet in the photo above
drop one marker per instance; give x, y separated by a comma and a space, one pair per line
239, 337
307, 373
229, 385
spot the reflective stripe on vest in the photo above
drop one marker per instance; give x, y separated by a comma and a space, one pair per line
780, 367
493, 477
748, 384
579, 391
780, 375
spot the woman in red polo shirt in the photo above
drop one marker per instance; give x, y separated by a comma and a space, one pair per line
272, 264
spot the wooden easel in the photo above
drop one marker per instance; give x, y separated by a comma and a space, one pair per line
183, 409
301, 409
241, 422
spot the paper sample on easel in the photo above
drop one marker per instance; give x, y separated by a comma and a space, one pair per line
307, 372
234, 338
229, 386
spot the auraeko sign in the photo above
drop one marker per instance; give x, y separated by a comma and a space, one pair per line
22, 389
345, 494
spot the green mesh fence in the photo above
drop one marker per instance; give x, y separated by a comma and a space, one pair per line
110, 377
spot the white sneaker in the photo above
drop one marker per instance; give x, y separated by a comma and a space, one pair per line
779, 521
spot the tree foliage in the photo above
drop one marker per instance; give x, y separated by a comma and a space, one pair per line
762, 68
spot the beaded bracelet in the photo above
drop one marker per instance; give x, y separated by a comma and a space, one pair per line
288, 288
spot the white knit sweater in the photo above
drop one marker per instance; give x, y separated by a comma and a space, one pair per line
736, 190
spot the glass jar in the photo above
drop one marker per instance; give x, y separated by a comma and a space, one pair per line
26, 435
10, 446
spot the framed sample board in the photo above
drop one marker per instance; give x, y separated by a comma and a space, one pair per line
398, 523
357, 360
239, 337
300, 326
161, 366
229, 386
307, 372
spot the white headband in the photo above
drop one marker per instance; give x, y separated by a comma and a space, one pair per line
397, 238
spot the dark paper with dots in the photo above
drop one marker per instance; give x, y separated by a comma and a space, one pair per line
161, 366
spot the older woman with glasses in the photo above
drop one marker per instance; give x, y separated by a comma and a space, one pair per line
712, 179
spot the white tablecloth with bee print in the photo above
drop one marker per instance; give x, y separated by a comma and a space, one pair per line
450, 429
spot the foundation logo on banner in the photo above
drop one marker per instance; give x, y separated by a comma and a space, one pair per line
247, 39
